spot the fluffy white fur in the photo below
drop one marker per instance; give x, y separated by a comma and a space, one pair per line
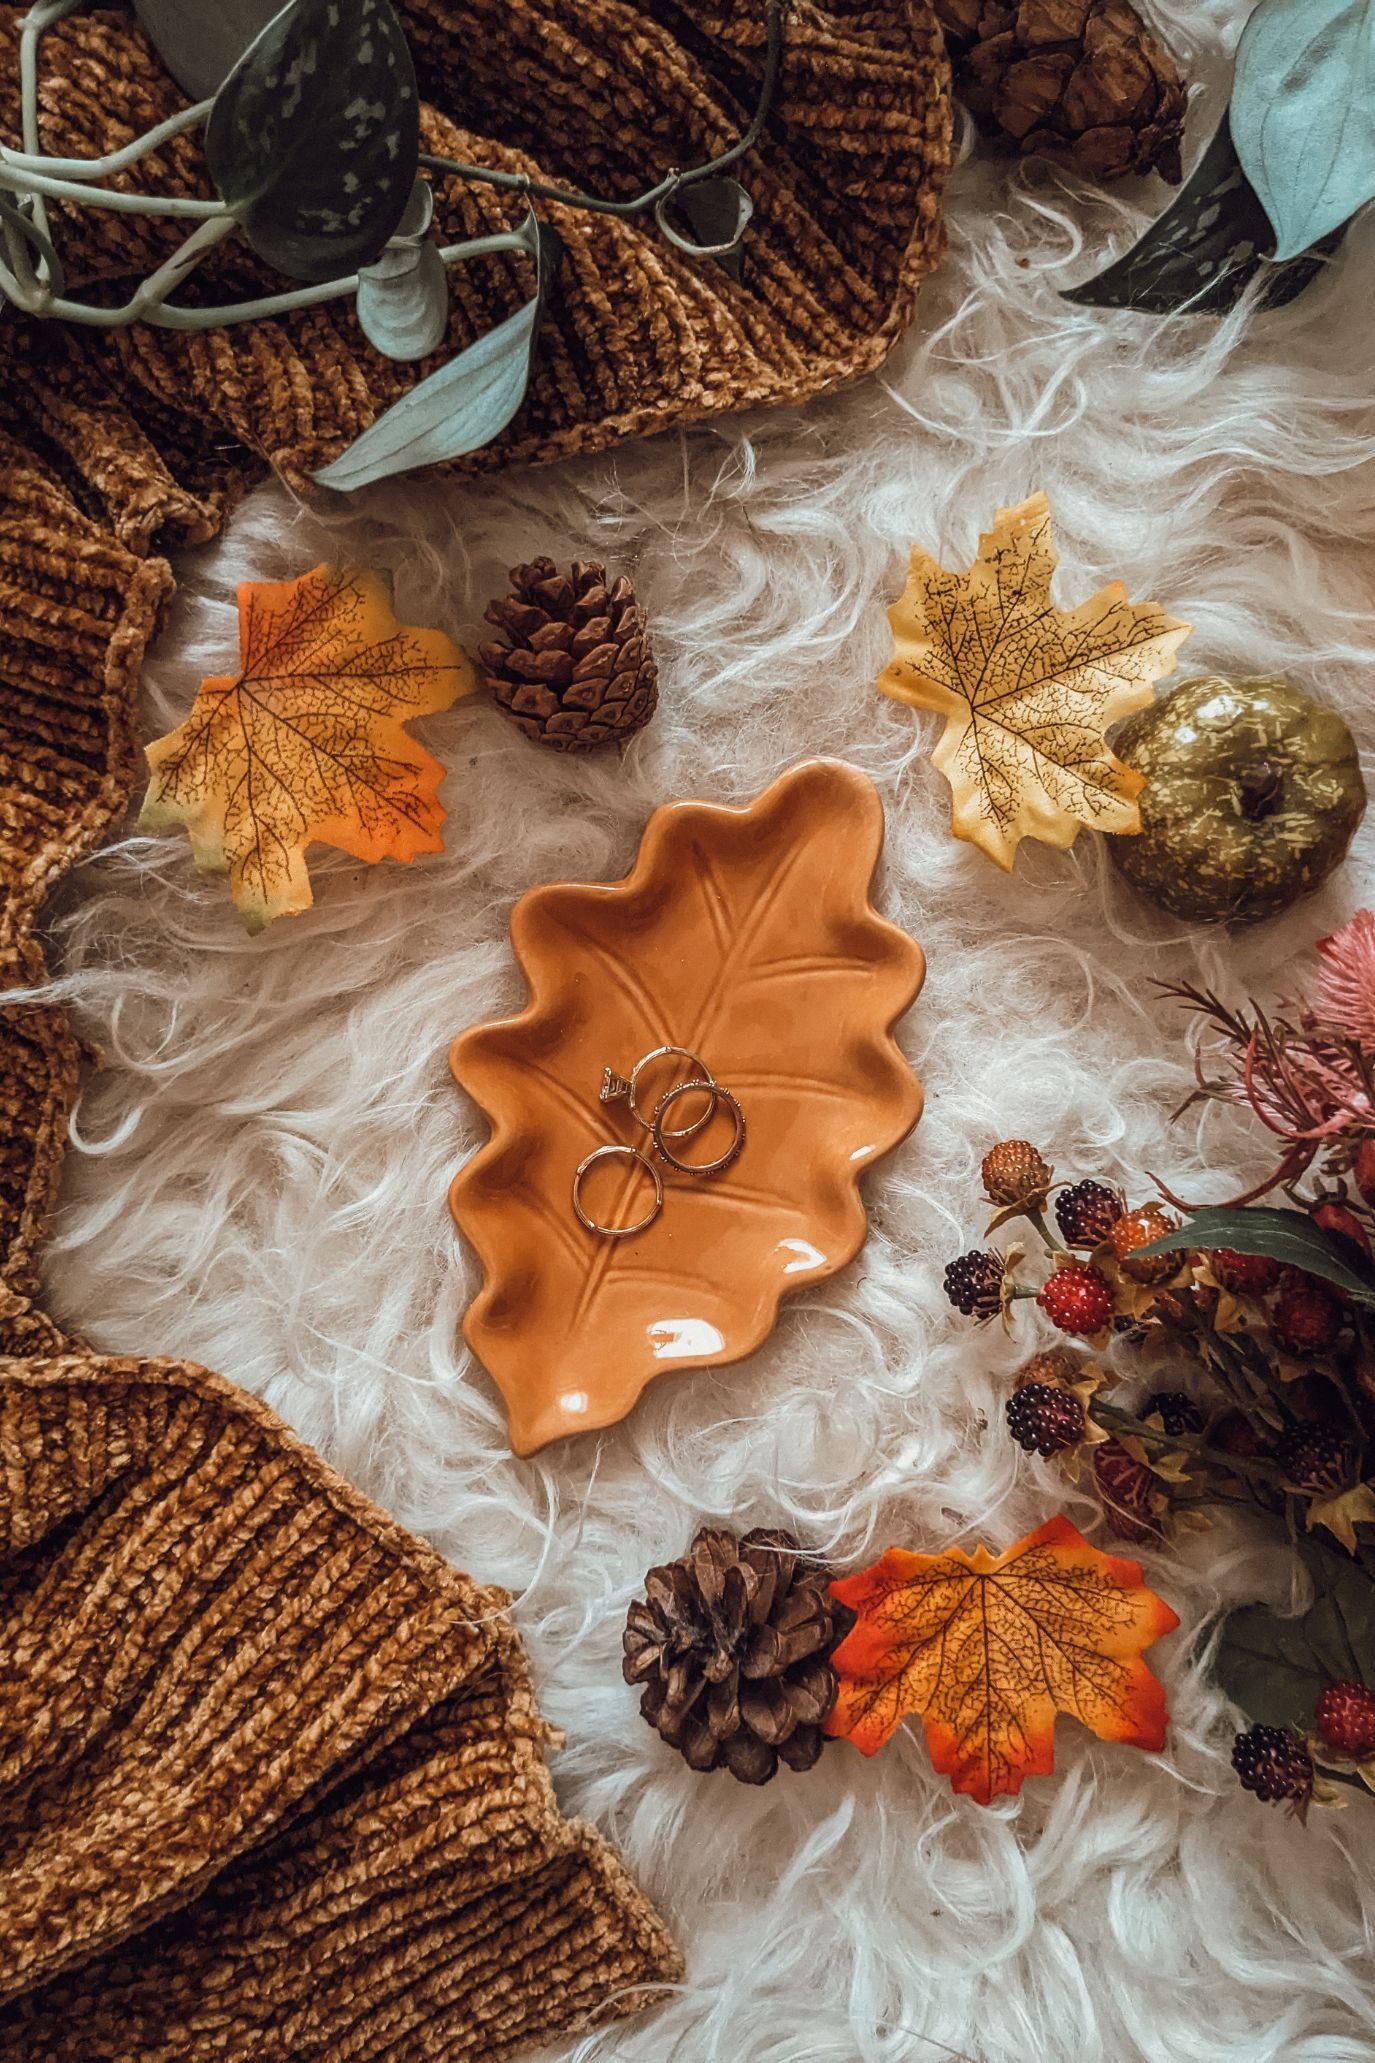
258, 1175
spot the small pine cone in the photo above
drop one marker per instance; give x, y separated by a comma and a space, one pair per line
732, 1644
577, 669
1345, 1719
1274, 1763
1246, 1275
1126, 1487
1316, 1458
1137, 1229
1044, 1419
1306, 1317
974, 1284
1082, 82
1077, 1299
1016, 1175
1087, 1212
1176, 1411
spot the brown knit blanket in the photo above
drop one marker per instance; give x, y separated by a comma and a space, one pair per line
271, 1781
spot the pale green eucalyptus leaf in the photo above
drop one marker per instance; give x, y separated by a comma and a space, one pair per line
466, 403
314, 137
1303, 114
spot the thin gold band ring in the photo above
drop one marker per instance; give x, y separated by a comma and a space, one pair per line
620, 1153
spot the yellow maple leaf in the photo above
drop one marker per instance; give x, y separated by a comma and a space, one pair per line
989, 1648
1027, 690
306, 743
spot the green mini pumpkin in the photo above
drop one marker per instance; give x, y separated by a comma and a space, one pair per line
1253, 792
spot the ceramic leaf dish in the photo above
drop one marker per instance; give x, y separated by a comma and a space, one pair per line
746, 935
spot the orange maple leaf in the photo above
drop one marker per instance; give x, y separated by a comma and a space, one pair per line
307, 742
989, 1649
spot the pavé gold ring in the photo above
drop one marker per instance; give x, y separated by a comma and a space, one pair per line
618, 1088
620, 1153
658, 1131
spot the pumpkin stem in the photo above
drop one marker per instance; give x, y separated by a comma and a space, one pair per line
1262, 791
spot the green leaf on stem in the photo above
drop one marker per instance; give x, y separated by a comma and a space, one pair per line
314, 137
1204, 251
1290, 1237
1303, 114
467, 402
1274, 1667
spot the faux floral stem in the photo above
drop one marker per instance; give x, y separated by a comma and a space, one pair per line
1113, 1420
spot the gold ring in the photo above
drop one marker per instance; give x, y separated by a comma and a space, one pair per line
623, 1153
718, 1096
616, 1088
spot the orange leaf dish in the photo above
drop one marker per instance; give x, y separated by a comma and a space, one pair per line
747, 936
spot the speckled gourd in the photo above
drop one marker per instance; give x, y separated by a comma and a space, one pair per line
1253, 794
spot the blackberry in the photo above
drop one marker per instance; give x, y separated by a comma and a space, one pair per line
1015, 1173
1044, 1419
1086, 1213
974, 1284
1274, 1763
1316, 1458
1176, 1410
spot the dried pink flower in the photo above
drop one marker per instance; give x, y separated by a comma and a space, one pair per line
1345, 997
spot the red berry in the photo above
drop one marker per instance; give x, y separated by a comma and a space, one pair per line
1014, 1173
1077, 1298
1335, 1217
1274, 1763
1235, 1434
1305, 1316
1086, 1213
1125, 1486
1138, 1229
1044, 1419
1364, 1169
1059, 1366
1345, 1719
1246, 1275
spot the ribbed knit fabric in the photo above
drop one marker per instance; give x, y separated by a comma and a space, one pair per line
606, 94
271, 1772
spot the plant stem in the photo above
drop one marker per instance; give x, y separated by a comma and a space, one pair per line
537, 189
1189, 1443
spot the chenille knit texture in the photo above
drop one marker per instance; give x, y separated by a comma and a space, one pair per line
271, 1772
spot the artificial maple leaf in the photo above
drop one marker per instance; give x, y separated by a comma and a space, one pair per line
988, 1649
307, 741
1027, 690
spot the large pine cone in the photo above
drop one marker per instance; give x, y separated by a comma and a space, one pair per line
731, 1643
1083, 82
578, 670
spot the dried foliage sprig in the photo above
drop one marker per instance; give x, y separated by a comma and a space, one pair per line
1228, 1361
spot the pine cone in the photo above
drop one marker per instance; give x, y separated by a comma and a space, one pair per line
731, 1643
1083, 82
577, 670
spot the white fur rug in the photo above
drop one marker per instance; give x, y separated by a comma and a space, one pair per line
258, 1176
